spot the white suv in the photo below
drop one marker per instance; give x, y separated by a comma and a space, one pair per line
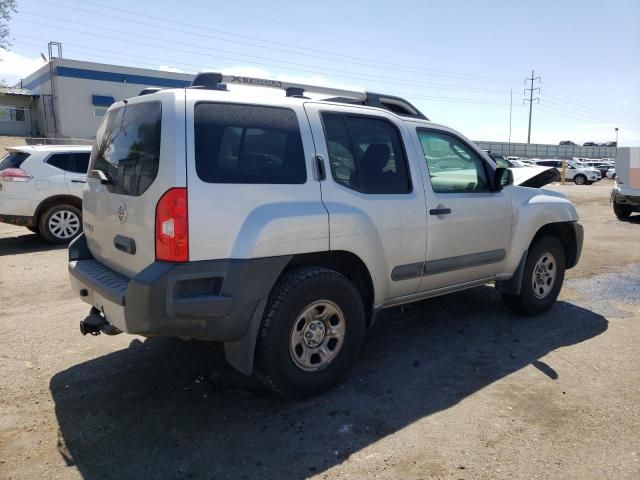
281, 225
41, 189
579, 173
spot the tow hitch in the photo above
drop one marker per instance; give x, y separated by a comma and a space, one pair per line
95, 324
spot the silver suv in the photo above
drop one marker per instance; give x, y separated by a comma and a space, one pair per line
281, 224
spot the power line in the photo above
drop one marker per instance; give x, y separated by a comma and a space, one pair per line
531, 99
376, 63
570, 96
201, 67
351, 75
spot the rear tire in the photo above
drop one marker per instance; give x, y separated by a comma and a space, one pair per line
311, 332
580, 179
621, 211
542, 278
60, 224
34, 230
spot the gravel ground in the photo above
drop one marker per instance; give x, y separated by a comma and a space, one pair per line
451, 388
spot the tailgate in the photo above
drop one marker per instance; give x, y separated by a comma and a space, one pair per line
139, 165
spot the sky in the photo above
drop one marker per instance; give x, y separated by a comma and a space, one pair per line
457, 61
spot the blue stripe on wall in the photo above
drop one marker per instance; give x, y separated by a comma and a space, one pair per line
120, 77
36, 82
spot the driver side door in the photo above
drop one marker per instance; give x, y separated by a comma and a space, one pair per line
468, 225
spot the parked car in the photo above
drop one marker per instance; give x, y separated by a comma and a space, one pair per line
589, 144
533, 176
602, 167
282, 225
568, 142
611, 173
625, 196
41, 189
580, 174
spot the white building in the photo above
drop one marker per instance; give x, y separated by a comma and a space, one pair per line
72, 96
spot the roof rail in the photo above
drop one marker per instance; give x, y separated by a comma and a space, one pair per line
392, 103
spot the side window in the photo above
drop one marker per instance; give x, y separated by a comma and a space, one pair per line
453, 166
62, 161
80, 163
366, 154
70, 162
248, 144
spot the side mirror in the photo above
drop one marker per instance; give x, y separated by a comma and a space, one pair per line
503, 177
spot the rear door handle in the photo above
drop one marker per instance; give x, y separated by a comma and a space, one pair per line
440, 211
126, 244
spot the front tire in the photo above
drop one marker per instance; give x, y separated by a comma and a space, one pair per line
311, 332
621, 211
580, 179
542, 278
60, 224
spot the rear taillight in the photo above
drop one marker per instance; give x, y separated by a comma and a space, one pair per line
14, 175
172, 226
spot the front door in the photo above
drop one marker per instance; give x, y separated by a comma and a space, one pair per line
468, 225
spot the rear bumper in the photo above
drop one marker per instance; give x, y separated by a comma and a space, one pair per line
206, 300
20, 220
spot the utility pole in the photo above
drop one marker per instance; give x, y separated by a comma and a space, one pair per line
510, 111
531, 99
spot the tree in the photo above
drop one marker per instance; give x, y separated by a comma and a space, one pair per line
7, 9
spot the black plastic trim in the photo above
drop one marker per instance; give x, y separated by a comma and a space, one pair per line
513, 286
578, 231
405, 272
442, 265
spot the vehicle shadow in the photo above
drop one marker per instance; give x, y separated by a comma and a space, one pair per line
163, 408
27, 243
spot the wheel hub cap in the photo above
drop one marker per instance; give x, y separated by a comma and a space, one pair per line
544, 275
64, 224
314, 333
317, 335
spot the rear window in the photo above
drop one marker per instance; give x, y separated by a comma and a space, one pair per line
248, 144
13, 160
127, 147
70, 162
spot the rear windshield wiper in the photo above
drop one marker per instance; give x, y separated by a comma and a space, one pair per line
100, 175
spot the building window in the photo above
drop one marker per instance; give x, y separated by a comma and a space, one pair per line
12, 114
99, 111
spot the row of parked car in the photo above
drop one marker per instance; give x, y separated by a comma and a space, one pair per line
588, 144
579, 170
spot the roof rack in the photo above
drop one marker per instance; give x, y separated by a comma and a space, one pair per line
398, 105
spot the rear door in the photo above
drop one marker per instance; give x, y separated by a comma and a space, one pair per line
140, 149
374, 198
252, 191
76, 174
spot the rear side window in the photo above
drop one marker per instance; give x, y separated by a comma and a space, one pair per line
70, 162
366, 154
13, 160
248, 144
127, 147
